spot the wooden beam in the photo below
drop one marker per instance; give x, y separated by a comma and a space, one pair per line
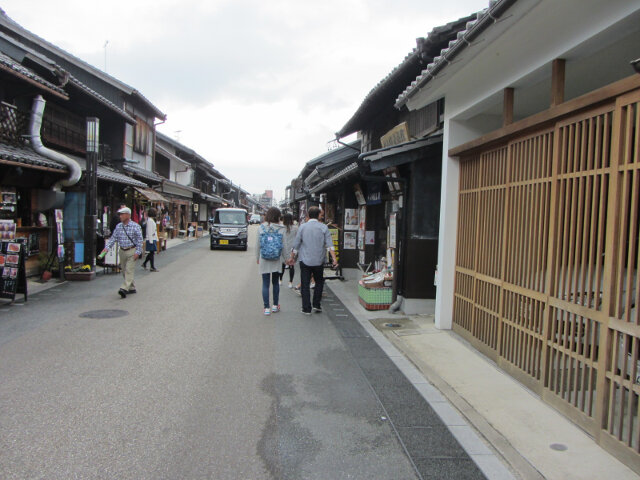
507, 107
574, 105
557, 82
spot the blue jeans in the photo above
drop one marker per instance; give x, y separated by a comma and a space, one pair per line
275, 277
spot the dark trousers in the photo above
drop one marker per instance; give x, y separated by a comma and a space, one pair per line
292, 272
149, 259
275, 276
305, 279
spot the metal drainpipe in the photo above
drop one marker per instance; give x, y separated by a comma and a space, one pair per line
35, 124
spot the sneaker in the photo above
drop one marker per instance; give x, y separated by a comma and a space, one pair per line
122, 292
154, 270
144, 266
267, 311
317, 309
305, 313
133, 290
313, 285
290, 285
275, 308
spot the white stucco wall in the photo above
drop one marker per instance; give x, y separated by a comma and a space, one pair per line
518, 53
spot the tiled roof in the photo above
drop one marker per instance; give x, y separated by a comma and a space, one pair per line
16, 29
105, 101
116, 177
9, 64
385, 92
28, 157
141, 172
349, 170
105, 173
485, 19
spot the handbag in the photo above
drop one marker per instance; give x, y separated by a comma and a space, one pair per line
151, 246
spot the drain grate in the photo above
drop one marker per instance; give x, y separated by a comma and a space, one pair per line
104, 314
393, 325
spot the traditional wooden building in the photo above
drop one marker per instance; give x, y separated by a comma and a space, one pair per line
540, 196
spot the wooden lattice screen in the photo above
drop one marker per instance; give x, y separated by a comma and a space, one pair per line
547, 266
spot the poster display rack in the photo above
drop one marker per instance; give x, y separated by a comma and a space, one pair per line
13, 277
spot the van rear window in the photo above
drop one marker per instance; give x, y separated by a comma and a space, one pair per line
233, 218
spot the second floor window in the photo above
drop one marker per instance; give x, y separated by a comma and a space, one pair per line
141, 136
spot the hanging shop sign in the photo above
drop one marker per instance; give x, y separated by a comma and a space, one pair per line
397, 135
374, 193
394, 187
359, 195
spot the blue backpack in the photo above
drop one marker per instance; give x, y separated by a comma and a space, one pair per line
270, 243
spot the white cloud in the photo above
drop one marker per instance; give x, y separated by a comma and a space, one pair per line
257, 87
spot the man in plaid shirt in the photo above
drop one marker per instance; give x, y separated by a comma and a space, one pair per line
128, 234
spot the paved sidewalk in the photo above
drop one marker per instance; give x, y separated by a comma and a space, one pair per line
532, 437
34, 285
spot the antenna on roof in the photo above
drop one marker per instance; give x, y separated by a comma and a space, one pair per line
105, 55
177, 132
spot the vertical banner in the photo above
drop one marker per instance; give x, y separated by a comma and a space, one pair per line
362, 222
392, 230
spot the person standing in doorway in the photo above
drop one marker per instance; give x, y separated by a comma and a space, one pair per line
151, 240
311, 244
128, 234
270, 257
290, 231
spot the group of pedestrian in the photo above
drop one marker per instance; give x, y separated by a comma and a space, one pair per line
129, 237
281, 245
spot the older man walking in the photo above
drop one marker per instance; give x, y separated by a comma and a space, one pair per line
311, 245
128, 234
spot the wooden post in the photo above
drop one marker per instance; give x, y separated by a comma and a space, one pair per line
507, 107
557, 82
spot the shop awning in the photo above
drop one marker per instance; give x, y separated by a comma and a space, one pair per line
348, 171
212, 198
151, 195
174, 188
108, 175
399, 154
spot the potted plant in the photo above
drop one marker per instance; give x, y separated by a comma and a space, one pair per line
79, 273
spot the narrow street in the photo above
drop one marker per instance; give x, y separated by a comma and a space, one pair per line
192, 381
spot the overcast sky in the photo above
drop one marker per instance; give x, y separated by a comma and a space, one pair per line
256, 87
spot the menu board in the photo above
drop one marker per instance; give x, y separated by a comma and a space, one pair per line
13, 278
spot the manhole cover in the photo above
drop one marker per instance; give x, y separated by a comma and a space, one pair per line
392, 325
104, 314
558, 446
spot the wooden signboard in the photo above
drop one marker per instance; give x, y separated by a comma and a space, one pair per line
13, 278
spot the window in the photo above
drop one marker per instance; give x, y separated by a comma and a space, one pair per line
141, 135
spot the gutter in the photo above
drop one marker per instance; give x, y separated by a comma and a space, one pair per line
35, 124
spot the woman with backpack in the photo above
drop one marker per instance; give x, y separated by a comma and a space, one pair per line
270, 255
289, 237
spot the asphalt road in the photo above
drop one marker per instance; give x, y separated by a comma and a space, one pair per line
193, 382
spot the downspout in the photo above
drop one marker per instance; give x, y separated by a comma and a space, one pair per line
35, 125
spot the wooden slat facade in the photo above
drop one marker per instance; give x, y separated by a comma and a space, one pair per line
547, 264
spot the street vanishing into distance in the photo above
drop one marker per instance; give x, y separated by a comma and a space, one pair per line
193, 381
